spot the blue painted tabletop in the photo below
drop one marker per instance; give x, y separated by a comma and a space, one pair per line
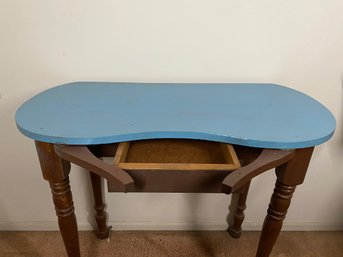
258, 115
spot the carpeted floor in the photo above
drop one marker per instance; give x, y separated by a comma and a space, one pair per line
168, 244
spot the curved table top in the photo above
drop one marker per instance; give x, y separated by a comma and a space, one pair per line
258, 115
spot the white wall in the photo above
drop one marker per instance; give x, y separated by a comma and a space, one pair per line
45, 43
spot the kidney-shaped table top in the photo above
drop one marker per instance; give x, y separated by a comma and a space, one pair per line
258, 115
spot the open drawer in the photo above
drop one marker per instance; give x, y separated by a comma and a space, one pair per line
175, 165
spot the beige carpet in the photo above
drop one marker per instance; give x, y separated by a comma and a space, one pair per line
168, 244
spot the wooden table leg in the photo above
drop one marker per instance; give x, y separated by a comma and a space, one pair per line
56, 172
102, 231
235, 227
289, 175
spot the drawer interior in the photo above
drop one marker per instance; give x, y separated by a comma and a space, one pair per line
176, 154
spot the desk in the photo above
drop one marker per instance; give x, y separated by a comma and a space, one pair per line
271, 126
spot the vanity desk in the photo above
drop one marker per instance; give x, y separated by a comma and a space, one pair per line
165, 137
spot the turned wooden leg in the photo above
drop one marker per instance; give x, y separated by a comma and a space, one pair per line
289, 175
100, 215
62, 198
56, 171
279, 203
235, 226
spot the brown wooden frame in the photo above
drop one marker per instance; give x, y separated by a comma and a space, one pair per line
291, 167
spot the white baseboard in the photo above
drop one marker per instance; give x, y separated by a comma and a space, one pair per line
145, 225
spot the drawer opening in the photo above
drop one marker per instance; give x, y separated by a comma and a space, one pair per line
176, 154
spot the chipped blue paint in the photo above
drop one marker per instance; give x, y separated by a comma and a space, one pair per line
258, 115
